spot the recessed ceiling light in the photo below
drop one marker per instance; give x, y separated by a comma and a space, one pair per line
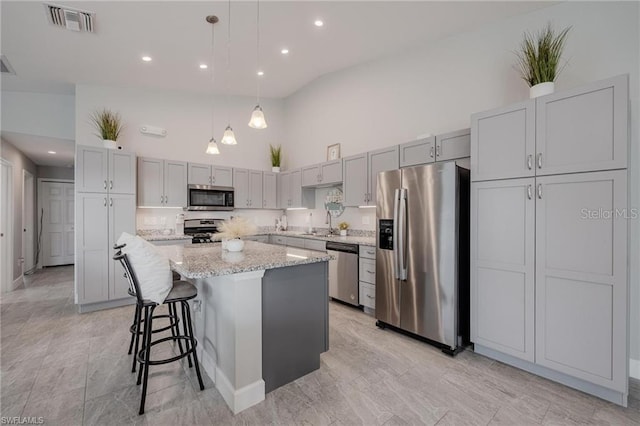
203, 66
260, 73
146, 58
285, 51
51, 152
318, 23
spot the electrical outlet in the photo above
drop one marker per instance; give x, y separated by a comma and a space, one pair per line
365, 220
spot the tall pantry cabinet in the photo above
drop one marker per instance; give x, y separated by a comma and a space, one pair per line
549, 284
105, 207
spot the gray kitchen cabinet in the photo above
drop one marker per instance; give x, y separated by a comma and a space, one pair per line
295, 242
581, 276
355, 188
367, 278
162, 183
310, 175
502, 266
258, 238
105, 170
284, 190
503, 142
453, 145
205, 174
583, 129
367, 270
296, 188
280, 240
360, 173
323, 174
248, 188
269, 190
101, 218
291, 195
316, 245
421, 151
255, 189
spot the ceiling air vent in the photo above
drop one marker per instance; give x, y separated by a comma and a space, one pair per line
69, 18
5, 66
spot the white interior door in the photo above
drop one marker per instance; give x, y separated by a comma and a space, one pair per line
6, 225
28, 220
57, 223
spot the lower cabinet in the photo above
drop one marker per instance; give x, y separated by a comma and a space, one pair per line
100, 219
549, 276
258, 238
367, 276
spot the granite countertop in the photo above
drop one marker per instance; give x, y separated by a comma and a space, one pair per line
355, 239
162, 237
209, 260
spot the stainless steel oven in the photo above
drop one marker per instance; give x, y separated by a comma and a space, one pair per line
207, 197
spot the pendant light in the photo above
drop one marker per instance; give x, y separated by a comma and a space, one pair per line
228, 138
257, 116
212, 147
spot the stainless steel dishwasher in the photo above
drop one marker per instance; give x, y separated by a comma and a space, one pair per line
343, 272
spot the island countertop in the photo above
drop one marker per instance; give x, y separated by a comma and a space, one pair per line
210, 260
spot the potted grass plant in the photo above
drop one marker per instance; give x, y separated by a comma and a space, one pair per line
343, 226
232, 231
109, 126
276, 157
539, 59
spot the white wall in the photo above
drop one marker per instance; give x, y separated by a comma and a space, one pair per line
161, 219
187, 119
40, 114
435, 89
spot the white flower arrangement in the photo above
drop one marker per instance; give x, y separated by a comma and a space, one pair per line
237, 227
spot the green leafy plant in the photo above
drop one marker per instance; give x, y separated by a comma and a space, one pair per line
276, 155
343, 226
539, 55
108, 124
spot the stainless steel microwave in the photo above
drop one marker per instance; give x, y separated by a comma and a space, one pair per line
207, 197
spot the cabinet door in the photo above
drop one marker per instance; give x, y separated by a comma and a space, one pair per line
175, 183
122, 218
355, 180
453, 145
584, 129
91, 169
502, 266
269, 190
295, 242
122, 172
296, 188
222, 176
503, 142
199, 174
418, 152
150, 182
241, 187
92, 247
310, 175
315, 245
255, 189
381, 161
581, 276
284, 190
331, 172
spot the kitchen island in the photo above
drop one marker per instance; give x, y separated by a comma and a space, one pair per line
261, 316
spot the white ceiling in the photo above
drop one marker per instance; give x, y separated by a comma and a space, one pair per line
36, 147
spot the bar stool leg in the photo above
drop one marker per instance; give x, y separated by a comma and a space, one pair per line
135, 320
193, 343
184, 327
145, 331
147, 356
137, 337
175, 330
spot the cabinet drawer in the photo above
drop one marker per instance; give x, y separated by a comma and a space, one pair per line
258, 238
368, 271
278, 239
315, 245
368, 252
295, 242
367, 295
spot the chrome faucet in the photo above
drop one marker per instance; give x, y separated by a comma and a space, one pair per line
328, 222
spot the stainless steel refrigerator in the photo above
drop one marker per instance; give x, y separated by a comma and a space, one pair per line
422, 256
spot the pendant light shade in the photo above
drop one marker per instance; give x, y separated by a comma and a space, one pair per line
212, 148
229, 138
257, 118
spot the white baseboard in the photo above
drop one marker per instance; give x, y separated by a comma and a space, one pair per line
634, 368
17, 282
240, 399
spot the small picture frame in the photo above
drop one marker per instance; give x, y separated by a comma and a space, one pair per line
333, 152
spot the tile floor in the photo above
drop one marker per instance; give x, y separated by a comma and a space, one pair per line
73, 369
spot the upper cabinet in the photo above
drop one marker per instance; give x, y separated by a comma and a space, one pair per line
323, 174
248, 188
578, 130
162, 183
583, 129
105, 170
360, 174
453, 145
205, 174
269, 190
290, 191
380, 161
421, 151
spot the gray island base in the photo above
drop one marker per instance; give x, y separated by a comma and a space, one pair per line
261, 317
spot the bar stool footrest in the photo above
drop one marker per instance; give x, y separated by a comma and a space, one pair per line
141, 359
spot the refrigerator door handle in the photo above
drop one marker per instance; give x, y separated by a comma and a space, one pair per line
396, 202
402, 236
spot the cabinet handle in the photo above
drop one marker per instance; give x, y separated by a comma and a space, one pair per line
105, 202
529, 194
373, 252
370, 272
370, 296
540, 160
431, 152
213, 179
437, 150
530, 161
166, 199
105, 184
110, 202
540, 191
110, 184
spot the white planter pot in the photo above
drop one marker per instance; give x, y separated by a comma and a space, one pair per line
235, 245
343, 232
275, 169
541, 89
109, 144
